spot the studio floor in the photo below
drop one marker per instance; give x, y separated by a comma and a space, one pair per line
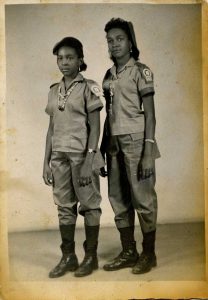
180, 250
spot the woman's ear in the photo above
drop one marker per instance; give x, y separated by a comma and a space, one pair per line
130, 46
81, 61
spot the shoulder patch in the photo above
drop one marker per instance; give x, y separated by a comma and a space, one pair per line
53, 84
94, 87
146, 73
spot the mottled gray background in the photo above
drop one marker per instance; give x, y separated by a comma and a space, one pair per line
169, 38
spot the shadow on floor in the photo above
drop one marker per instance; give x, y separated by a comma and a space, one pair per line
180, 252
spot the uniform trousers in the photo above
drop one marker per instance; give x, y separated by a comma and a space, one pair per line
127, 192
68, 194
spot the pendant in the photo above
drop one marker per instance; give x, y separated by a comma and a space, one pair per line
61, 108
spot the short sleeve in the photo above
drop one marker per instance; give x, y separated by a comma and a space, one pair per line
49, 107
92, 96
145, 82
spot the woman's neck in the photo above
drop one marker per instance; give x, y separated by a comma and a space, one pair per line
68, 80
121, 62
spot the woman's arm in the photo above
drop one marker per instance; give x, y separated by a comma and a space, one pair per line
147, 163
103, 147
93, 138
47, 174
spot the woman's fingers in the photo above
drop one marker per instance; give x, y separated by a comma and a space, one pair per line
83, 181
103, 172
145, 173
48, 179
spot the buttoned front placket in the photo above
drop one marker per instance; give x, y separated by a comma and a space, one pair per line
115, 107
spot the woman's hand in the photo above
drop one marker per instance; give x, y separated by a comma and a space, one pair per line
146, 167
85, 176
103, 172
47, 175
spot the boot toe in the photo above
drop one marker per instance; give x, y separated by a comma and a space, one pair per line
68, 263
56, 272
123, 260
119, 265
88, 265
145, 264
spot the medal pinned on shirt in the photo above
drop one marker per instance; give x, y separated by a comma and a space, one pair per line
147, 74
62, 99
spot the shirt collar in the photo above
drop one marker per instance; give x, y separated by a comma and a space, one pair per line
78, 78
130, 63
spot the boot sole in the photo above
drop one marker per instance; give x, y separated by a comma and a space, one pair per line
72, 269
130, 265
85, 274
147, 270
69, 269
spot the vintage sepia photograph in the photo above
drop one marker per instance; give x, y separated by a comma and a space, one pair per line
104, 173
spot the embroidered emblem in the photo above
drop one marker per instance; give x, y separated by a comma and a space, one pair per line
147, 75
96, 90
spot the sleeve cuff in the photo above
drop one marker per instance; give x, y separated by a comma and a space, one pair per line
148, 90
95, 106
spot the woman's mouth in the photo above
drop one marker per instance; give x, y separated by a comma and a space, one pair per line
116, 50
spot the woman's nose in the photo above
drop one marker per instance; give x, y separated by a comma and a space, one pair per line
115, 44
64, 61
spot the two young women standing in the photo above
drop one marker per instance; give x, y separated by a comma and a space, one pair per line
72, 160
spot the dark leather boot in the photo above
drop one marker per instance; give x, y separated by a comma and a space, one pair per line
68, 262
127, 258
90, 261
147, 259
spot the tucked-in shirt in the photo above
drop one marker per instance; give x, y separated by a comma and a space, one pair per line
127, 87
70, 127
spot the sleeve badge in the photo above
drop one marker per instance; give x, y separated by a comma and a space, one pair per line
147, 75
95, 89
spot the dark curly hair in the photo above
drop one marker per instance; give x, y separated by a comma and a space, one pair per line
73, 43
127, 27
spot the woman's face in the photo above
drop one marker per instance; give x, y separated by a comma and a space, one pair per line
68, 61
118, 43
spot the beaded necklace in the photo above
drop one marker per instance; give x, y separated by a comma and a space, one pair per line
62, 99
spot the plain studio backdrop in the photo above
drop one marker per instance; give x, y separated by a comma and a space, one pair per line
169, 39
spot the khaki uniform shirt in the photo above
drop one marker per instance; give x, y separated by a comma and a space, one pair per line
70, 132
127, 88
